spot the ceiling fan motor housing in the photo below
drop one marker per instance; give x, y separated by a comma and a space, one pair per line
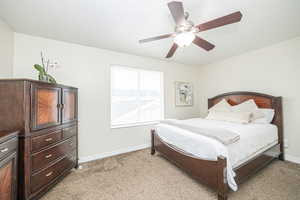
187, 26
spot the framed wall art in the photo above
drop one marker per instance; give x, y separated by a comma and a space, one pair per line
183, 94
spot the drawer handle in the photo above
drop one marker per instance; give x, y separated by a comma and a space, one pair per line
48, 139
48, 156
4, 150
49, 174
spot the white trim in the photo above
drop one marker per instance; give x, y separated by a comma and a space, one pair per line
134, 124
112, 153
293, 159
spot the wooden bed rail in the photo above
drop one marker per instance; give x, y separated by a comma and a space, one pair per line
213, 173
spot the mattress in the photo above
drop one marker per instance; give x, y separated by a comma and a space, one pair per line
254, 139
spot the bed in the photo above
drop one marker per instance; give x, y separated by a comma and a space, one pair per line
229, 169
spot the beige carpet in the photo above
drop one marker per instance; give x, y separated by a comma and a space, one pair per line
140, 176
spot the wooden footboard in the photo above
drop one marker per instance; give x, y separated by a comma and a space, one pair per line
211, 173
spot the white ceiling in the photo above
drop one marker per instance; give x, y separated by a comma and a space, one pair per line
119, 24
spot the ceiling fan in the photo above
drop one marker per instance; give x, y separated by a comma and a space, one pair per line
185, 30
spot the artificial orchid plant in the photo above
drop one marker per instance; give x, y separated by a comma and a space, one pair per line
43, 69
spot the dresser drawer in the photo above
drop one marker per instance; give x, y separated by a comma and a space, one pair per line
52, 172
8, 147
69, 132
42, 141
44, 158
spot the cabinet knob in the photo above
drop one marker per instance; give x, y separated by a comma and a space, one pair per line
60, 106
48, 139
49, 174
4, 150
48, 156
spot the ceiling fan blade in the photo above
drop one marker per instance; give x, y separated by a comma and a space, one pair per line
203, 43
172, 50
156, 38
228, 19
176, 9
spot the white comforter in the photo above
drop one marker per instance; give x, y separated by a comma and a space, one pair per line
224, 136
254, 139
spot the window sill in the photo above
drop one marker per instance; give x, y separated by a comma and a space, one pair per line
134, 125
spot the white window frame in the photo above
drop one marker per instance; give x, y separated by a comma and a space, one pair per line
144, 123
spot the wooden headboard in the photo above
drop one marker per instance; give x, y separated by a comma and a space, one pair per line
262, 101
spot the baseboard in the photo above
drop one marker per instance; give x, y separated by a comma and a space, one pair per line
290, 158
112, 153
293, 159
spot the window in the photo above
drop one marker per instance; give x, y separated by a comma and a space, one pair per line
136, 96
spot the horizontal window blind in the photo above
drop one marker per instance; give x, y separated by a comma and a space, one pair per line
136, 96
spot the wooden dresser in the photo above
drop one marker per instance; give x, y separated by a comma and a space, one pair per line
46, 114
8, 165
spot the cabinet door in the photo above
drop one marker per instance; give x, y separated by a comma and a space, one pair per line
45, 106
69, 109
8, 177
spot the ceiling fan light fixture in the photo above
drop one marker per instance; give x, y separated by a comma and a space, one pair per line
185, 32
184, 39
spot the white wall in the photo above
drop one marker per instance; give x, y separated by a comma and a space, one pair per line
6, 50
89, 69
272, 70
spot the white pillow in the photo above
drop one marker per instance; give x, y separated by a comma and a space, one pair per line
237, 117
268, 116
249, 106
222, 106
